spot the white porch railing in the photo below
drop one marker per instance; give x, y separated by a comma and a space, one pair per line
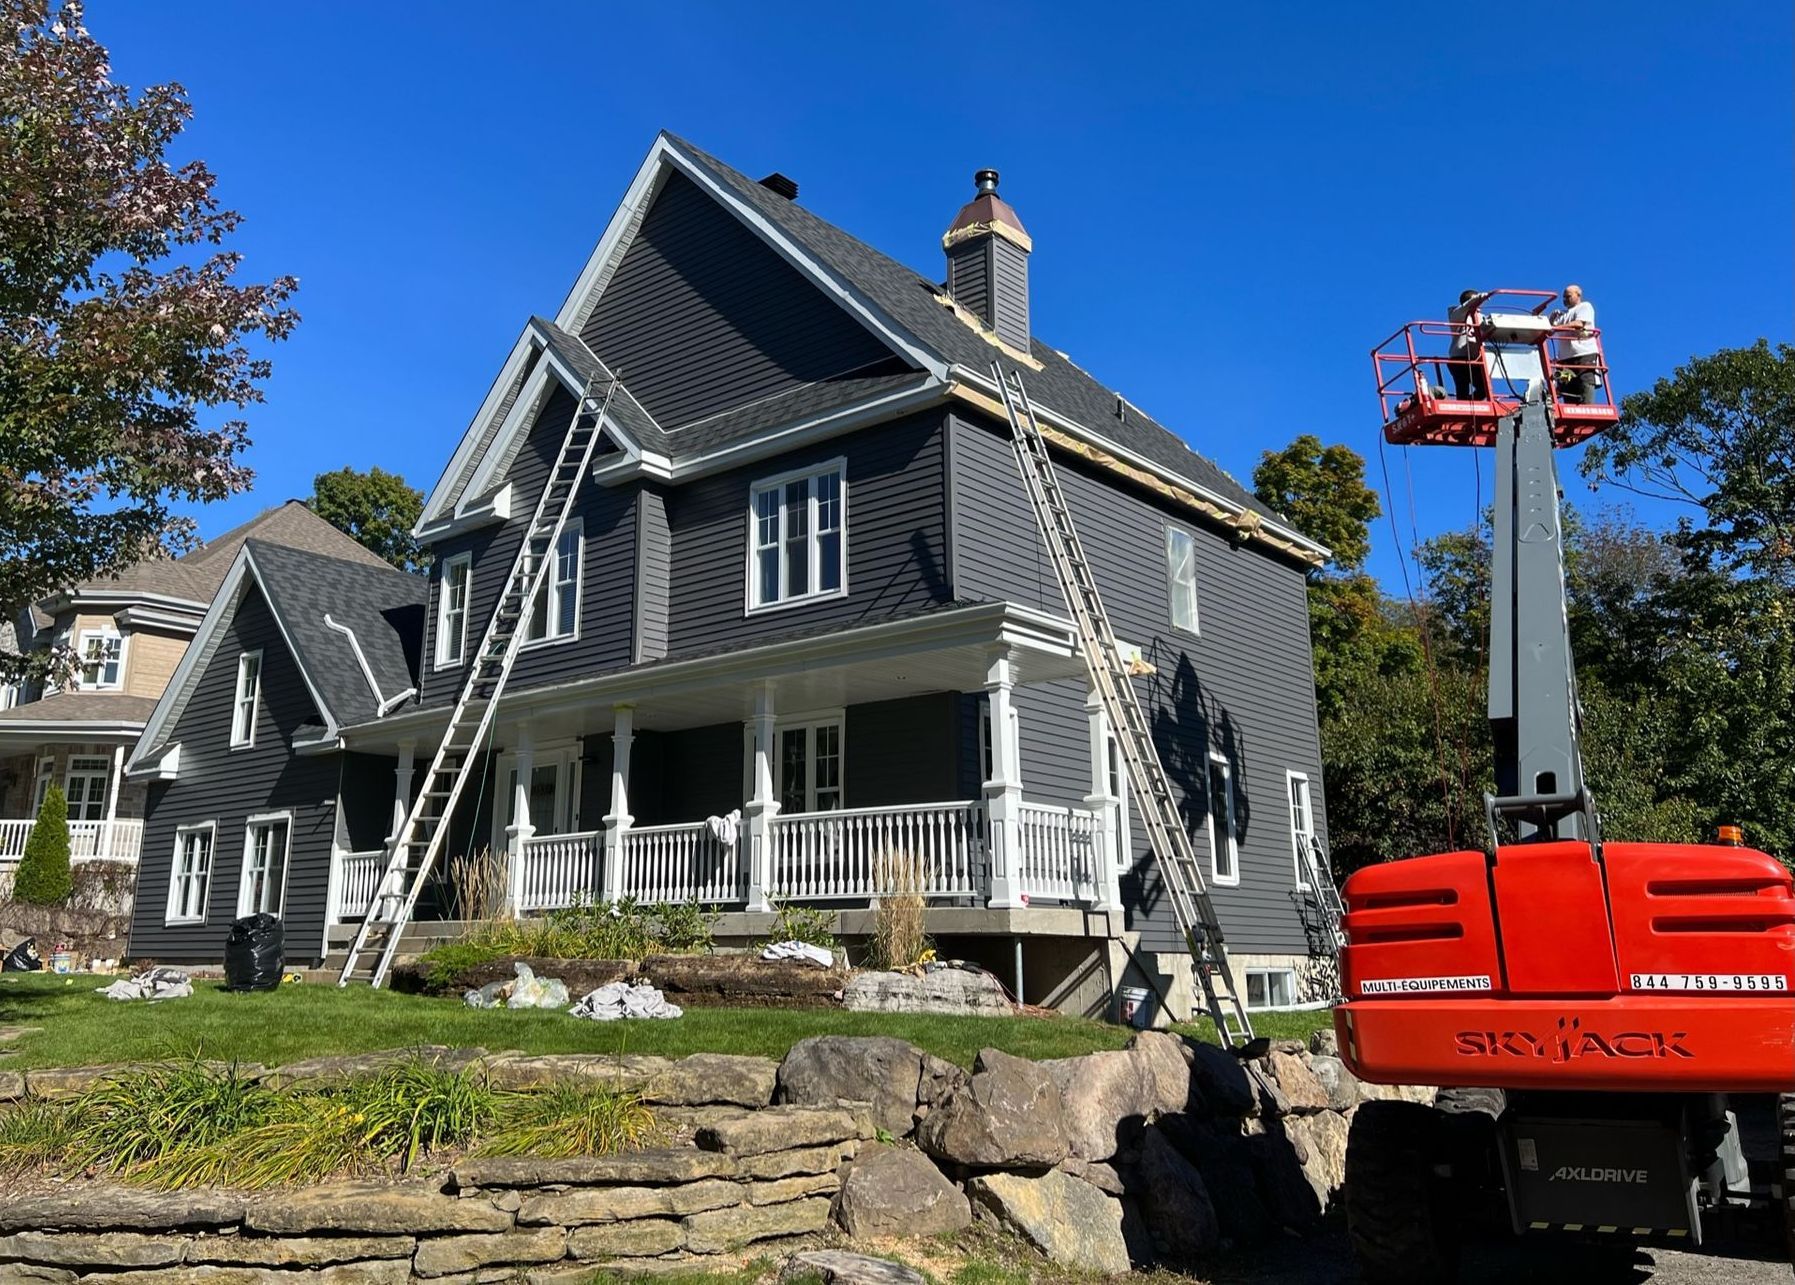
682, 863
559, 869
1058, 852
937, 848
120, 840
358, 881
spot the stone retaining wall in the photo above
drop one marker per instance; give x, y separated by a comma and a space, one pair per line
1166, 1151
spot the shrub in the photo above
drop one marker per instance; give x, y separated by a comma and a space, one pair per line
443, 964
570, 1119
898, 936
807, 924
685, 926
43, 878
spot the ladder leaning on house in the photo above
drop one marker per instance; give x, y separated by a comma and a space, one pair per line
427, 820
1192, 905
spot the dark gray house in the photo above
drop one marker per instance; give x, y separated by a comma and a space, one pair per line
802, 632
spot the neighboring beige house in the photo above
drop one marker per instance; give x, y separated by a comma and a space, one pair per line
127, 633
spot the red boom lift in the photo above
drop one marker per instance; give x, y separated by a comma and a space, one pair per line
1587, 1007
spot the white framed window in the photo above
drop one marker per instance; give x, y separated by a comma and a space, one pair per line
248, 701
267, 843
102, 660
798, 537
85, 785
1224, 847
1118, 786
555, 614
1271, 988
807, 764
554, 793
46, 773
1181, 577
1302, 825
9, 695
190, 880
455, 582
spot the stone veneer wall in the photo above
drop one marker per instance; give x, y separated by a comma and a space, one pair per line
1163, 1151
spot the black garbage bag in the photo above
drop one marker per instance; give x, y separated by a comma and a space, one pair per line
23, 958
254, 953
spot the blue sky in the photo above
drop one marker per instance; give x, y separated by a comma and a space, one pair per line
1230, 204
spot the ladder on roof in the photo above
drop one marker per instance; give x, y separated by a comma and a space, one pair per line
427, 820
1170, 841
1323, 888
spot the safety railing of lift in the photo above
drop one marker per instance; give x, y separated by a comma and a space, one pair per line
559, 870
1058, 851
685, 862
935, 849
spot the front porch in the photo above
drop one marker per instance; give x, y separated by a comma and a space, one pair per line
105, 817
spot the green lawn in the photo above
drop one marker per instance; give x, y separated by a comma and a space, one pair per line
81, 1028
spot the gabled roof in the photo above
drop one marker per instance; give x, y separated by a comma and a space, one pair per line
354, 628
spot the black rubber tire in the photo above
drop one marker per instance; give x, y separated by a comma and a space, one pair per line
1785, 1120
1400, 1225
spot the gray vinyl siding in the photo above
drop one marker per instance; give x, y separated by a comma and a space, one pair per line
901, 751
608, 573
687, 775
969, 276
1009, 283
228, 786
896, 532
654, 571
1244, 686
701, 316
365, 795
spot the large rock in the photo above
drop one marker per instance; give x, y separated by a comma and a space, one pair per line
826, 1069
1342, 1086
704, 1079
838, 1267
795, 1188
296, 1251
1072, 1223
721, 1230
1324, 1042
1104, 1099
109, 1208
12, 1086
1323, 1137
1223, 1080
951, 991
1008, 1115
623, 1072
888, 1192
345, 1066
637, 1168
1302, 1091
441, 1255
744, 981
370, 1207
113, 1250
778, 1129
1179, 1212
1220, 1154
1165, 1070
1277, 1160
646, 1238
620, 1204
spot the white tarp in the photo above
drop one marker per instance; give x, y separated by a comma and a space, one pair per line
623, 1000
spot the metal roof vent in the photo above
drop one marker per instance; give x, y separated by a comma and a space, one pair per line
786, 187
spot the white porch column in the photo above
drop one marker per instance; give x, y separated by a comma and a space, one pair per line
1107, 804
763, 807
618, 820
1003, 792
105, 847
520, 829
403, 770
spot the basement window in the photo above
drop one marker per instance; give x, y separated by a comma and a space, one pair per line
1271, 988
797, 537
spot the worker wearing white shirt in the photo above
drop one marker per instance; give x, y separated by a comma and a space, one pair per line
1577, 350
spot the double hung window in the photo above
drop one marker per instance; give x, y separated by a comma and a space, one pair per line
1302, 826
191, 879
455, 583
798, 537
1181, 575
248, 700
265, 846
1224, 850
556, 611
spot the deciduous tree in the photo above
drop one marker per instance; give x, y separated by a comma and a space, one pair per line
376, 509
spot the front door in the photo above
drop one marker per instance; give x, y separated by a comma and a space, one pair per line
807, 766
86, 787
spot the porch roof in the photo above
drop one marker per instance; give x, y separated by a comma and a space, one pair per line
74, 716
945, 647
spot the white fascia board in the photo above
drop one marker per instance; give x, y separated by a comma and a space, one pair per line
66, 728
982, 381
100, 596
437, 499
165, 766
141, 617
642, 189
490, 509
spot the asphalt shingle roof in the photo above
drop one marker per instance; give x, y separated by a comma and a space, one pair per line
70, 707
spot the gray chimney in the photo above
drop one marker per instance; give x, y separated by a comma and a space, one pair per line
987, 262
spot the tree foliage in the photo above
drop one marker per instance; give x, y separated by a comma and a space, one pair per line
1322, 490
43, 877
376, 509
122, 321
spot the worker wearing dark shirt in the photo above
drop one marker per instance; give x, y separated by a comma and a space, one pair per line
1469, 381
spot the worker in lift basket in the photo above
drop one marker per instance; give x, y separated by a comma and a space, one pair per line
1578, 350
1469, 381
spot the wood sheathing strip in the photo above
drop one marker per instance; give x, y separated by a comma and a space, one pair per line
1247, 525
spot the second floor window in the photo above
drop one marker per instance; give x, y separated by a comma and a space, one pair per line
557, 610
1224, 847
102, 661
798, 537
1181, 573
452, 591
248, 699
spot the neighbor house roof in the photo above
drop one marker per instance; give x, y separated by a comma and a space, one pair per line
112, 709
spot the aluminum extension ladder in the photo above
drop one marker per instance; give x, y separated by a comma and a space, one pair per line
427, 820
1170, 842
1325, 891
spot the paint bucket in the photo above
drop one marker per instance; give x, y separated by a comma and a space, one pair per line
1134, 1007
62, 961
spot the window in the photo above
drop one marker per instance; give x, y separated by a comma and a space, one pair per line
85, 786
46, 773
457, 581
554, 794
797, 538
1271, 987
263, 889
1181, 572
1118, 786
807, 766
102, 660
248, 700
556, 613
1224, 850
1302, 826
191, 879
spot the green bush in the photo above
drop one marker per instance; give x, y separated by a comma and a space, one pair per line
807, 924
43, 877
443, 964
685, 927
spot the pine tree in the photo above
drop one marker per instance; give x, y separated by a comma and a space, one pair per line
43, 877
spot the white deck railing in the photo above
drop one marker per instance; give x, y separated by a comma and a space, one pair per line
1058, 852
358, 880
932, 848
559, 870
682, 863
120, 840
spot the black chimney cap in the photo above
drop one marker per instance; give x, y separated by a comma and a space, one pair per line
986, 181
777, 182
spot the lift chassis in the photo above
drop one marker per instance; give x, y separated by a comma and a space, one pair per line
1597, 1014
